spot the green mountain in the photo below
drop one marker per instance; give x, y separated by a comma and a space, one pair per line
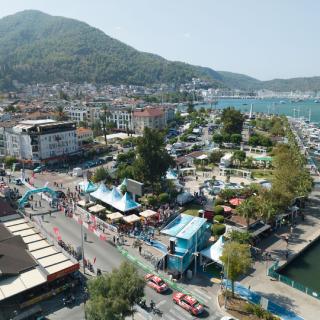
241, 81
36, 47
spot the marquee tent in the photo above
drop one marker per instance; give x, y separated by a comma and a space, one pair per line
97, 208
126, 203
87, 186
100, 191
214, 252
114, 216
131, 219
148, 213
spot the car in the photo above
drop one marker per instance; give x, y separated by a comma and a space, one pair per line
39, 169
60, 194
156, 283
2, 172
228, 318
18, 182
188, 303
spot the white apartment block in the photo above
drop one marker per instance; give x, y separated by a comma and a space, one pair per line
41, 140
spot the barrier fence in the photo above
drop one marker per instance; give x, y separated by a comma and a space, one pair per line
272, 272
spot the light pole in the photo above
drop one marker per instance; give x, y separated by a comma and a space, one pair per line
82, 246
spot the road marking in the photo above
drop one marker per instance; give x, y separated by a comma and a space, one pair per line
160, 303
203, 295
182, 314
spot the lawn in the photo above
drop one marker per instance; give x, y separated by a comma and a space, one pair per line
192, 209
261, 173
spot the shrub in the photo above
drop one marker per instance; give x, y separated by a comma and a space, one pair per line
163, 198
219, 218
218, 202
218, 210
152, 201
218, 229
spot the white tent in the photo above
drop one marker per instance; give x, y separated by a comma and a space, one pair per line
126, 203
114, 216
131, 219
97, 208
148, 213
101, 191
214, 252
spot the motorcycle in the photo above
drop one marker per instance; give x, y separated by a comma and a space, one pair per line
142, 304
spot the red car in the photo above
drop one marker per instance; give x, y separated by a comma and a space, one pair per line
188, 303
156, 283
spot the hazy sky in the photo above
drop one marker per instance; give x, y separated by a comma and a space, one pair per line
261, 38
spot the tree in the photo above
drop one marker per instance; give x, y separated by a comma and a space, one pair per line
113, 295
236, 138
248, 210
239, 156
104, 121
217, 138
101, 174
236, 258
190, 108
60, 114
152, 160
9, 161
239, 236
232, 120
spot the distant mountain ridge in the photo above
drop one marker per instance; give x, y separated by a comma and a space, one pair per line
39, 48
240, 81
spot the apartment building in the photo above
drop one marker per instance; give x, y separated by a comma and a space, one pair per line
84, 135
148, 117
41, 140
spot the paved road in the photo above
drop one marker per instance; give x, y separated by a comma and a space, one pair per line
107, 258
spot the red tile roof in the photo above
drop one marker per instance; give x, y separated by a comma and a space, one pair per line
149, 112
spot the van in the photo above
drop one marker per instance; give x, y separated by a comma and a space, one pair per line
77, 172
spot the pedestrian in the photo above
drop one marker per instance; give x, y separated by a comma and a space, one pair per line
114, 239
61, 185
31, 207
287, 254
249, 288
140, 248
39, 203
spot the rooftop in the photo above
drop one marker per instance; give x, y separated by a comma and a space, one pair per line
149, 112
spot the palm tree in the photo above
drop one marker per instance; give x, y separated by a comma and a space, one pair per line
248, 210
60, 113
104, 121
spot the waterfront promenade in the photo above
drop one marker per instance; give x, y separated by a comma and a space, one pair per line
305, 232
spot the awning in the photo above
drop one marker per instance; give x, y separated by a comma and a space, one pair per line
97, 208
148, 213
214, 252
260, 230
131, 219
83, 203
114, 216
236, 201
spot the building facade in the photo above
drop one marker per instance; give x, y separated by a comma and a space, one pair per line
153, 118
84, 135
41, 140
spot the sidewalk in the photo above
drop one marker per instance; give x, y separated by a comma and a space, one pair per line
284, 295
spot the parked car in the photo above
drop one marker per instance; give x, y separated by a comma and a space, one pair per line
156, 283
2, 172
188, 303
60, 194
39, 169
18, 182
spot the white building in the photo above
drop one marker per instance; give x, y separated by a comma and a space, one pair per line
41, 140
76, 113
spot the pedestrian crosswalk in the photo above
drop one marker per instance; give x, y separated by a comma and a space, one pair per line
170, 311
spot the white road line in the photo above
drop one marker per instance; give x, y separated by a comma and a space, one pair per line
180, 313
167, 316
160, 303
203, 295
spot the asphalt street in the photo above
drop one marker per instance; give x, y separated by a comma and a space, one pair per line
107, 258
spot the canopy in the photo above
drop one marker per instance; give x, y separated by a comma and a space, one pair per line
84, 203
148, 213
100, 191
236, 201
97, 208
215, 251
131, 219
87, 186
226, 208
126, 203
202, 157
171, 175
114, 216
124, 183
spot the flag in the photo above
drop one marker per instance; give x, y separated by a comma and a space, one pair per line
91, 228
94, 260
56, 230
80, 221
59, 238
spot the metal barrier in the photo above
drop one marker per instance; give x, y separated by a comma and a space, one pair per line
272, 272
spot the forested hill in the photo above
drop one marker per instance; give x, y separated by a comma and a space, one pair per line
241, 81
36, 47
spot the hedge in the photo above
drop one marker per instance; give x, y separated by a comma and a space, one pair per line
218, 229
219, 218
218, 210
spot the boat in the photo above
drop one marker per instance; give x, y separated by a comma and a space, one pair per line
316, 101
282, 102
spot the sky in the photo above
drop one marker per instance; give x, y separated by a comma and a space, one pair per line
265, 39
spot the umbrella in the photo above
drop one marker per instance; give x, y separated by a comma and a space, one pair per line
235, 201
226, 208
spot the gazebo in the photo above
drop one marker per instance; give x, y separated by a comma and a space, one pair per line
114, 216
131, 219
